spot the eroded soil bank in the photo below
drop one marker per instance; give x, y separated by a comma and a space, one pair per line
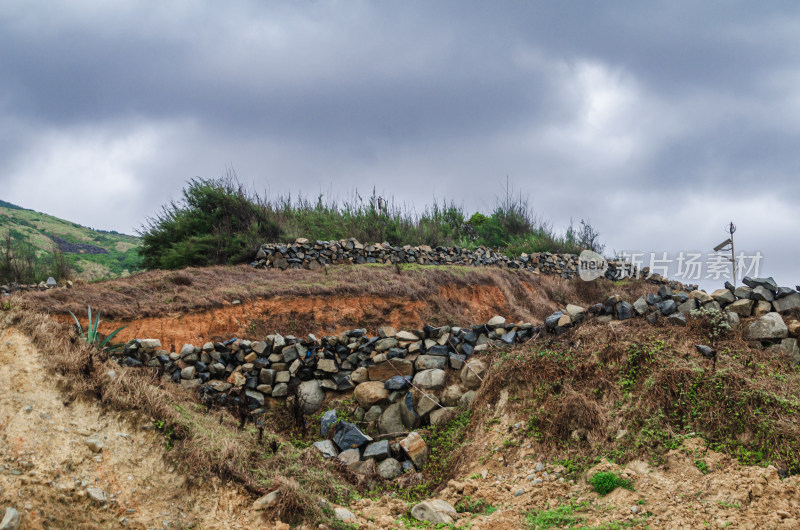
321, 315
47, 465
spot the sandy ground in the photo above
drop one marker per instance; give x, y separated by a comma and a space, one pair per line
675, 495
47, 466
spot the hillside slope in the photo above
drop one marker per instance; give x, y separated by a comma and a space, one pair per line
93, 254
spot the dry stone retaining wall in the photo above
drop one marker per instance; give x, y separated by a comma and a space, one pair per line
305, 254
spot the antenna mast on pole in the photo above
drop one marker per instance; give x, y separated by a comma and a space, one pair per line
722, 247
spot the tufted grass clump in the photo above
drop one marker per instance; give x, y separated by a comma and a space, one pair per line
605, 482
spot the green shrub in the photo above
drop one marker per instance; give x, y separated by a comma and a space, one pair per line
217, 222
605, 482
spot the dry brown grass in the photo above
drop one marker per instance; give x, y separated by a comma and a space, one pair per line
525, 296
201, 441
579, 392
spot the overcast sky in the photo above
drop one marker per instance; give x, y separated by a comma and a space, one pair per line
659, 121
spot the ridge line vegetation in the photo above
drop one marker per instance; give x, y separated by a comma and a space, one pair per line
220, 221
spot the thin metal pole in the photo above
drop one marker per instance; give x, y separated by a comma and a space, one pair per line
733, 261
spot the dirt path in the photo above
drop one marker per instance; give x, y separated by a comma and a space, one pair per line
55, 456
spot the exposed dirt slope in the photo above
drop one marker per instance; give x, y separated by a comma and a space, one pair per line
46, 465
196, 305
675, 495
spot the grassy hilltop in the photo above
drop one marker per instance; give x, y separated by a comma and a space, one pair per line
92, 254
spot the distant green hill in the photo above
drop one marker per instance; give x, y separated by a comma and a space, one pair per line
93, 254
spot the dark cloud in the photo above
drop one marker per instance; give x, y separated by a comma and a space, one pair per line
660, 121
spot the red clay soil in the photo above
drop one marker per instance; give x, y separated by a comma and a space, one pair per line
321, 315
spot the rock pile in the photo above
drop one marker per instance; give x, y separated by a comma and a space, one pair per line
366, 456
380, 370
304, 254
7, 288
760, 297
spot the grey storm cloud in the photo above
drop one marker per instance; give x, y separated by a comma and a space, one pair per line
659, 121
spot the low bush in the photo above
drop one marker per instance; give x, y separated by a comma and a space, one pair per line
605, 482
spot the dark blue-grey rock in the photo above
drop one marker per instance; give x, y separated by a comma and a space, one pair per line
439, 350
457, 361
665, 291
787, 303
349, 436
677, 319
653, 299
667, 307
767, 283
706, 351
467, 349
398, 382
624, 310
255, 399
377, 450
509, 338
552, 321
328, 420
680, 297
470, 337
783, 292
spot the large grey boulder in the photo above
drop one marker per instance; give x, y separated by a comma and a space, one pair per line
349, 456
371, 393
327, 448
435, 511
496, 322
399, 417
429, 362
688, 306
311, 395
742, 307
472, 374
430, 379
451, 395
390, 468
723, 296
768, 327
